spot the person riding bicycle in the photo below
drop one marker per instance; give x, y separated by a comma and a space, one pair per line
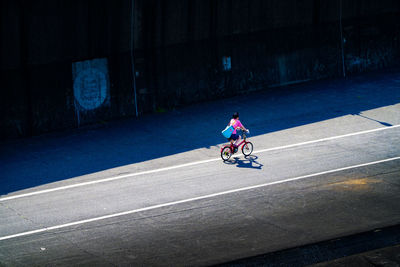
235, 122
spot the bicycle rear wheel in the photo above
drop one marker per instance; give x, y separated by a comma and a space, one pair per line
247, 148
226, 153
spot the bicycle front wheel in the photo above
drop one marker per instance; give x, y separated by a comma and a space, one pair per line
247, 148
226, 153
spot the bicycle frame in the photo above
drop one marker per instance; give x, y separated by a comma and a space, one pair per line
225, 155
242, 142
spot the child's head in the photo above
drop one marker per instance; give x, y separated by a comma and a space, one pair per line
235, 115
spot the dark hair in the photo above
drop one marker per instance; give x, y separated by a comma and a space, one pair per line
235, 115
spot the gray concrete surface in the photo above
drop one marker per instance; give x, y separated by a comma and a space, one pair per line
211, 212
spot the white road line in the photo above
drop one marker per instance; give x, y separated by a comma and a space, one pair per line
327, 139
188, 164
191, 199
107, 179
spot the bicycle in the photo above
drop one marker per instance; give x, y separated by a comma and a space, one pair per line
228, 150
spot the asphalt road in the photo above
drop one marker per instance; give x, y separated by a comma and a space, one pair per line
326, 165
209, 212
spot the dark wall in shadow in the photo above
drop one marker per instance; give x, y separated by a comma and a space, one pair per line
68, 63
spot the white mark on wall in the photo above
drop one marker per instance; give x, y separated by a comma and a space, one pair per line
91, 85
226, 63
90, 88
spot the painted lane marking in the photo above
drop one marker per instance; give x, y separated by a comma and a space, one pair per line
192, 199
188, 164
326, 139
107, 179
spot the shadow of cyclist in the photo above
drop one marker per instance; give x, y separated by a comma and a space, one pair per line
248, 162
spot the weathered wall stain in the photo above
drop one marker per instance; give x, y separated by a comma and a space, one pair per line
91, 86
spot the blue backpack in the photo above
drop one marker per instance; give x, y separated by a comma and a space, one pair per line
227, 132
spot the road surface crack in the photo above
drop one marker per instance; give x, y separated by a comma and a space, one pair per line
22, 216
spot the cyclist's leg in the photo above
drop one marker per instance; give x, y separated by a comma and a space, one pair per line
230, 140
237, 140
233, 138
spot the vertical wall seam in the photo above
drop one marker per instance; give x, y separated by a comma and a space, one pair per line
132, 54
341, 38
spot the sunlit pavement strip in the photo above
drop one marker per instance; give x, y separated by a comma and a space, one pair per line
191, 199
190, 164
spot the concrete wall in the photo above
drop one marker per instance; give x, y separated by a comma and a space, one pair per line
67, 63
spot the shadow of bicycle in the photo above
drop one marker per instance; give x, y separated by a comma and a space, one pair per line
248, 162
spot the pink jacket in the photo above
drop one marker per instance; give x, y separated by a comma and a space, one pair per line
235, 124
